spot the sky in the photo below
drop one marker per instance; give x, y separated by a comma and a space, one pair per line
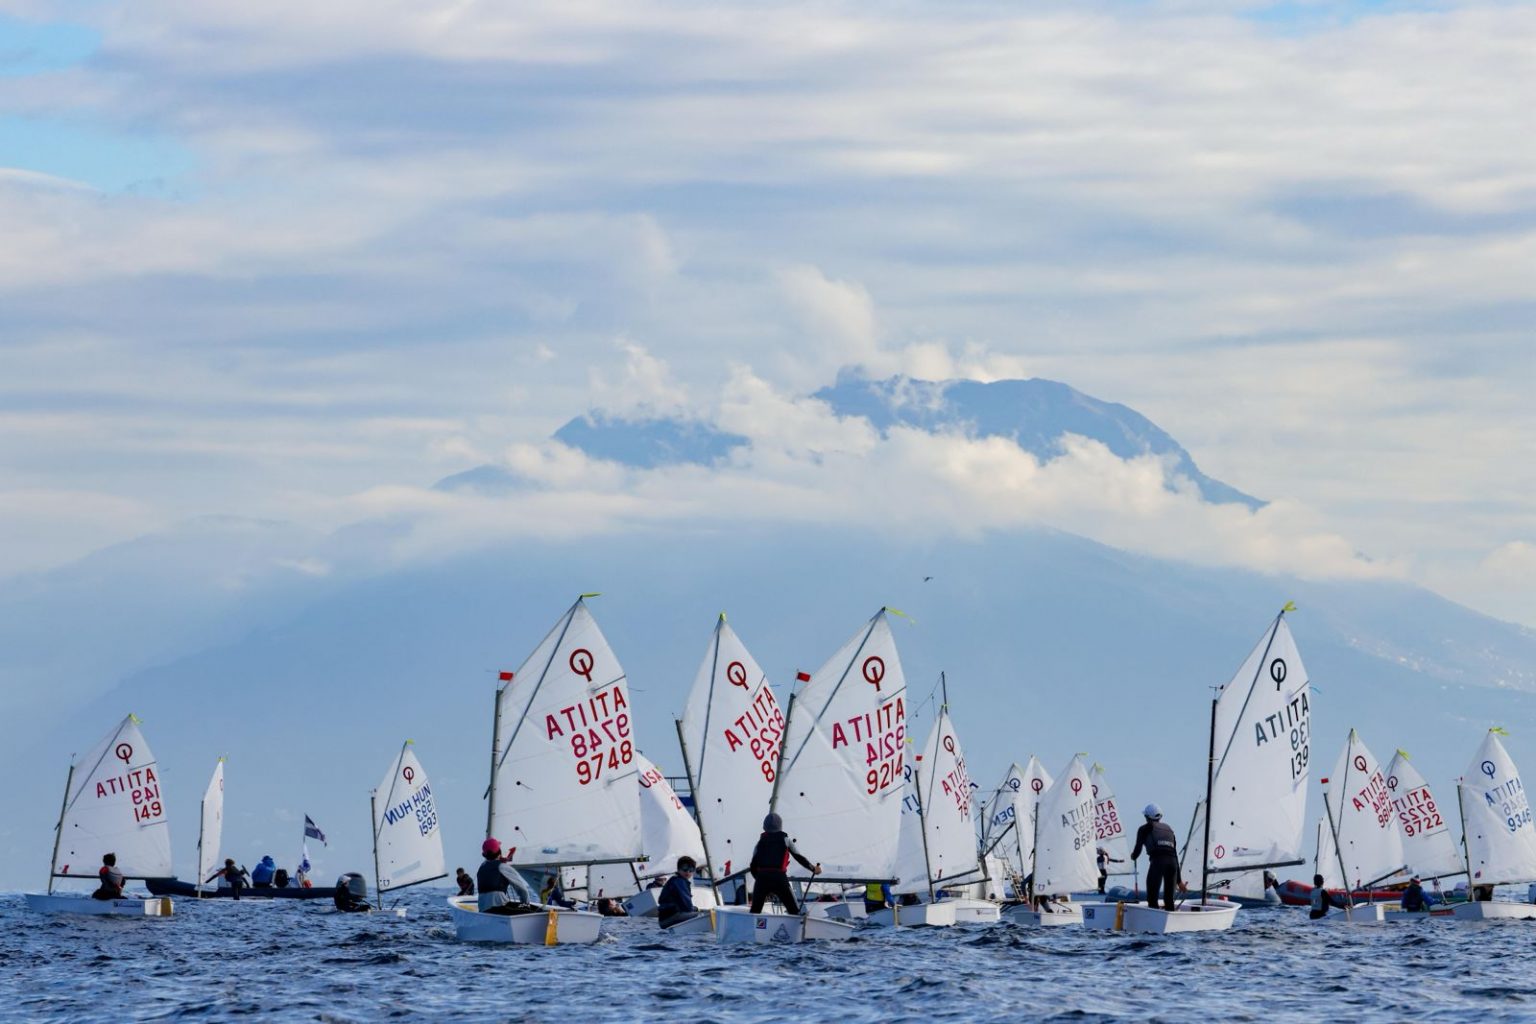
297, 261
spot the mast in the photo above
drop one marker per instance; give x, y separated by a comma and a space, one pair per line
1466, 854
778, 771
201, 817
373, 823
490, 790
698, 814
1210, 786
1338, 851
1034, 853
922, 829
58, 830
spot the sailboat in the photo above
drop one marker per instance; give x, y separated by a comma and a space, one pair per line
112, 804
407, 837
210, 827
1367, 845
668, 832
1255, 784
1428, 847
1062, 858
730, 735
937, 845
1108, 825
1009, 818
564, 783
1498, 836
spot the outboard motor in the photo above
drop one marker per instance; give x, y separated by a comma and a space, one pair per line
352, 892
280, 879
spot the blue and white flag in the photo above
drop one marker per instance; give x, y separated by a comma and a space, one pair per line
304, 865
311, 830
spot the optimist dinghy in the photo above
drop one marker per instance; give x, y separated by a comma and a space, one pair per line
1363, 832
734, 924
1062, 849
112, 804
407, 839
563, 776
1500, 837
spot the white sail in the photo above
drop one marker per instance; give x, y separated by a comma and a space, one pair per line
1007, 819
997, 814
1036, 781
732, 729
1326, 852
1501, 840
1108, 823
911, 869
1064, 841
1428, 845
115, 805
948, 835
1365, 831
564, 786
407, 837
1262, 749
667, 830
210, 831
840, 782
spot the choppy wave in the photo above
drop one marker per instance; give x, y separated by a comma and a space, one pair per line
219, 961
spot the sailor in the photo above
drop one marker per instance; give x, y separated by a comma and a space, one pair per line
675, 904
234, 876
1162, 848
1105, 860
1413, 896
1322, 899
261, 877
877, 896
112, 880
466, 884
495, 877
770, 866
351, 894
552, 893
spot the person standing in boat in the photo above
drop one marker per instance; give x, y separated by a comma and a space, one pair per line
675, 904
466, 884
770, 866
1322, 899
112, 880
1162, 848
236, 877
877, 896
1105, 860
495, 877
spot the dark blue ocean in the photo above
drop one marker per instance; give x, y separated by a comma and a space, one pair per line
221, 961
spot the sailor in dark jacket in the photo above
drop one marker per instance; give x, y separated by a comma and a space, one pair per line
770, 866
675, 904
1162, 848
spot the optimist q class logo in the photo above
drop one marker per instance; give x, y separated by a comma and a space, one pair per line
1077, 785
1037, 784
1277, 671
1488, 769
409, 773
736, 672
581, 663
949, 744
1360, 762
874, 670
124, 752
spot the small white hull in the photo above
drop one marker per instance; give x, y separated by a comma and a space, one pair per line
1058, 915
1360, 913
971, 910
556, 926
66, 903
704, 924
1391, 914
1217, 915
843, 910
1495, 910
744, 926
921, 915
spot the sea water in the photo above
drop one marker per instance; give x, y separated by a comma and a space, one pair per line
288, 960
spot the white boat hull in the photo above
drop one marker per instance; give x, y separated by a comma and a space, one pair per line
556, 926
1394, 915
744, 926
704, 924
66, 903
1495, 910
1360, 913
970, 910
921, 915
1217, 915
1063, 915
842, 910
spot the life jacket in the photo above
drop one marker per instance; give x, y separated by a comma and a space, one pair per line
490, 879
771, 855
1319, 899
874, 892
